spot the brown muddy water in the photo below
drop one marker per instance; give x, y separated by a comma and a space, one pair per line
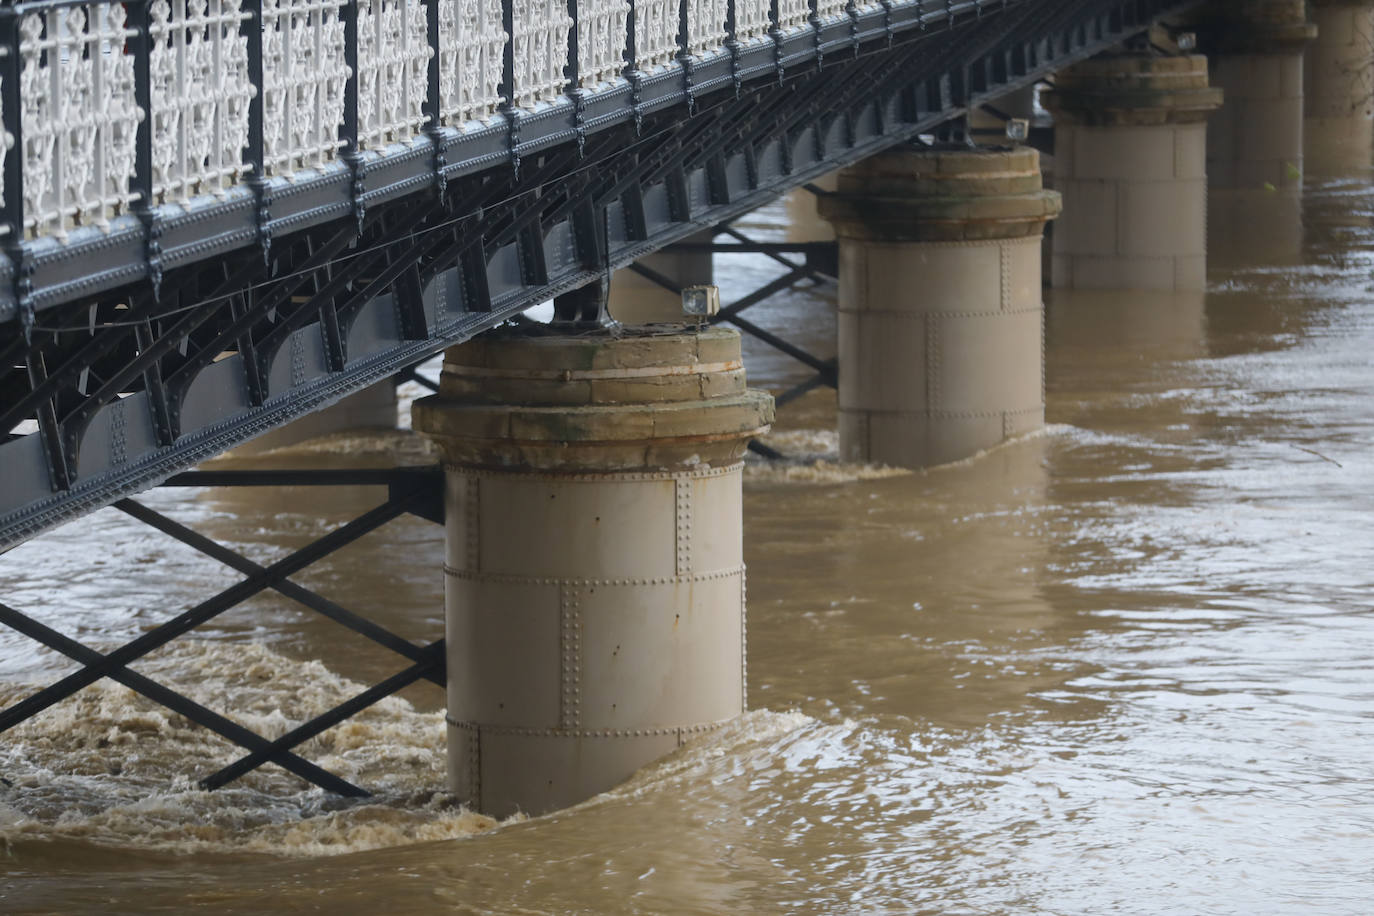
1120, 666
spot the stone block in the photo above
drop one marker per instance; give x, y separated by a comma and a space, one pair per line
1163, 218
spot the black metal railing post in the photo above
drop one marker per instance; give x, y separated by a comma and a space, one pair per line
684, 55
141, 44
852, 10
508, 106
255, 156
631, 72
814, 18
434, 96
732, 43
352, 154
573, 73
775, 33
11, 66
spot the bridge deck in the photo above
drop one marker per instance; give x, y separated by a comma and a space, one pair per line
194, 299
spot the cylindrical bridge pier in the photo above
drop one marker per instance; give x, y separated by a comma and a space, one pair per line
1338, 88
1131, 161
940, 302
595, 578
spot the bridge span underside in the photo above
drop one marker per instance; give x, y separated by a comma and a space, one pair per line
176, 311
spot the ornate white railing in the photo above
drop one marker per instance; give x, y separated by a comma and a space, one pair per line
6, 141
601, 40
793, 14
656, 27
472, 45
200, 96
541, 50
752, 19
829, 9
393, 67
79, 118
82, 105
304, 77
705, 25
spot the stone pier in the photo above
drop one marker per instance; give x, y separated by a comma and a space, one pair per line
1131, 162
1338, 86
804, 222
594, 573
1255, 142
1256, 52
940, 302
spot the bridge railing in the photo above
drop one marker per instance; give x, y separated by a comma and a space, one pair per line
85, 83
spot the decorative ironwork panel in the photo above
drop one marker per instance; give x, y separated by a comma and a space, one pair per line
200, 96
6, 143
393, 60
305, 73
472, 42
751, 19
793, 14
705, 25
656, 24
829, 9
79, 116
541, 50
601, 39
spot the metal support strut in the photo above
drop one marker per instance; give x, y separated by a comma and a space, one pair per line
417, 491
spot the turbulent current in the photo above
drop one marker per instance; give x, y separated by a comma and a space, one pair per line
1122, 665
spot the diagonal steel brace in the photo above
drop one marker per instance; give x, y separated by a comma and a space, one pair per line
107, 665
434, 659
317, 603
224, 727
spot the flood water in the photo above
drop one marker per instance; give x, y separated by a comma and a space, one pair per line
1119, 666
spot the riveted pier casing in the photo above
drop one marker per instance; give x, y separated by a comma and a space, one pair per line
1131, 162
594, 570
1338, 88
941, 318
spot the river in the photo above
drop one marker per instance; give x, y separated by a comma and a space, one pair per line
1119, 666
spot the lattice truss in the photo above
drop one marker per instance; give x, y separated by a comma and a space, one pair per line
134, 380
79, 117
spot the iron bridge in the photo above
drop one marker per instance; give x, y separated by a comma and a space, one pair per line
220, 215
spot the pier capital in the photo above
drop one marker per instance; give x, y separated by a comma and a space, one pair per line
1133, 90
941, 195
1253, 26
648, 397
